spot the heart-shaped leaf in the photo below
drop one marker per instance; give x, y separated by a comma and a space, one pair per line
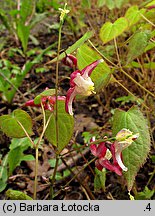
65, 127
137, 44
101, 74
10, 124
135, 155
133, 14
110, 30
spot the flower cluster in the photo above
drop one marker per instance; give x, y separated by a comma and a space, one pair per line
124, 138
48, 102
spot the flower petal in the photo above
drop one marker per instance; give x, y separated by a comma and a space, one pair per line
106, 164
86, 72
31, 103
70, 60
117, 157
73, 76
101, 150
93, 149
120, 163
71, 93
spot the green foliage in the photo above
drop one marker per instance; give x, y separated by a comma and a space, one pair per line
3, 173
145, 195
100, 179
110, 30
101, 74
10, 124
86, 4
135, 155
65, 127
48, 92
133, 15
137, 44
128, 99
11, 78
76, 45
17, 195
16, 155
23, 33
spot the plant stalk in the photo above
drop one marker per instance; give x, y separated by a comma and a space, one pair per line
36, 174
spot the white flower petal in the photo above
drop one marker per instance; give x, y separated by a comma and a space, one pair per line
120, 163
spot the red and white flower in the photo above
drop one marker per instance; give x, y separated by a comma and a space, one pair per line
111, 158
80, 84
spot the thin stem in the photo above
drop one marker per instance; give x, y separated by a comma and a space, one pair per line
116, 48
151, 23
142, 87
45, 124
57, 85
36, 174
53, 177
74, 177
26, 134
121, 69
129, 92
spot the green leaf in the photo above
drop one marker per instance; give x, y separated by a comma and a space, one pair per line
3, 173
100, 3
133, 15
65, 127
101, 74
9, 124
48, 92
76, 45
23, 34
135, 155
17, 195
137, 44
16, 155
24, 143
99, 180
26, 9
2, 185
110, 4
145, 195
86, 4
110, 30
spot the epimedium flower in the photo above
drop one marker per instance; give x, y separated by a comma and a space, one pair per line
70, 60
104, 155
124, 138
111, 157
80, 84
47, 101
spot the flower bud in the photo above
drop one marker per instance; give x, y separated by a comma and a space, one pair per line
70, 60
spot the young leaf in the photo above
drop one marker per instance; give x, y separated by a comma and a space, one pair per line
110, 30
145, 195
48, 92
23, 34
76, 45
10, 124
16, 155
17, 195
65, 127
101, 74
133, 15
137, 44
26, 9
3, 173
99, 180
135, 155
